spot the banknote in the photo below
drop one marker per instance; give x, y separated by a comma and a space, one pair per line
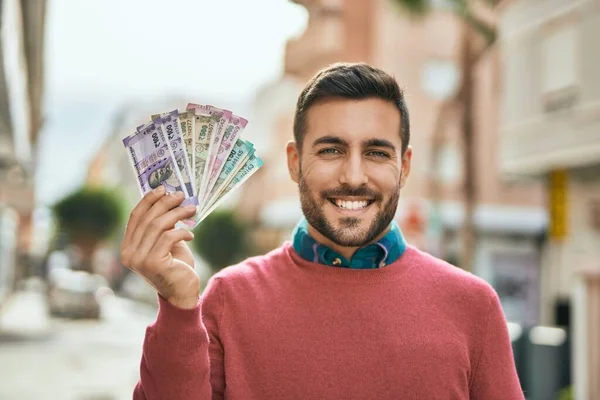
232, 132
171, 127
186, 127
204, 125
254, 162
205, 153
140, 128
252, 165
238, 164
198, 151
186, 120
242, 150
217, 138
153, 162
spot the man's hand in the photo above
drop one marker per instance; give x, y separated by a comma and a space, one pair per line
155, 250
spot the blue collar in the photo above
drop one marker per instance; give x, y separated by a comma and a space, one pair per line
384, 252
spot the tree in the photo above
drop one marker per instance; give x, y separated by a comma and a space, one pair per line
478, 36
222, 239
88, 217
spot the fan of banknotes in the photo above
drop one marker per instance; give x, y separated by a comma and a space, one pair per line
198, 151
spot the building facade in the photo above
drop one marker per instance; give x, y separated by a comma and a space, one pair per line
550, 132
21, 88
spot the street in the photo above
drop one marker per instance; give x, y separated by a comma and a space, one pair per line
42, 358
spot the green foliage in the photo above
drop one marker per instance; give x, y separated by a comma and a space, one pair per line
460, 7
222, 239
566, 394
91, 213
414, 7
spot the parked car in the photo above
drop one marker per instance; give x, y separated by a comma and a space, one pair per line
72, 293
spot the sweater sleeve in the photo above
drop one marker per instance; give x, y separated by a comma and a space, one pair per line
182, 356
494, 376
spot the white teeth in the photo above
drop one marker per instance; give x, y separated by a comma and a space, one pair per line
351, 205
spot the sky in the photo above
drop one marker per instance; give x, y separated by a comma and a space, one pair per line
101, 55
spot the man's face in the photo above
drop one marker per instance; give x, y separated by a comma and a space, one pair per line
350, 169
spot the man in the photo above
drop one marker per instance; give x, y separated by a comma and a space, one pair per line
347, 310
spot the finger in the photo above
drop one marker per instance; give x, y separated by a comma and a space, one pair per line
140, 210
135, 217
158, 209
162, 224
165, 242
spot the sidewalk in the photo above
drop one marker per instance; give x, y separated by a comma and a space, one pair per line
62, 359
25, 316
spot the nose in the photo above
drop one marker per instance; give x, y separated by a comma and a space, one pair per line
353, 173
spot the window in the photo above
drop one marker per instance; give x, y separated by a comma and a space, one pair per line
559, 59
559, 67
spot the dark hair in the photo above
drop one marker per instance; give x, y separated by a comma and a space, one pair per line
354, 81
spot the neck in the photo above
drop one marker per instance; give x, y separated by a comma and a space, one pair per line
345, 251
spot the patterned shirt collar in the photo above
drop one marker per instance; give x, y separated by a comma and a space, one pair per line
376, 255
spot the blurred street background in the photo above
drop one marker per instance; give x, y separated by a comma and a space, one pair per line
504, 97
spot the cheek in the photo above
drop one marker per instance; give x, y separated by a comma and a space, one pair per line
385, 178
321, 174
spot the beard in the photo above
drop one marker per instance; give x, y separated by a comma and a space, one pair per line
349, 233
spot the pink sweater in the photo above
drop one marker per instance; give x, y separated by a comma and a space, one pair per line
279, 327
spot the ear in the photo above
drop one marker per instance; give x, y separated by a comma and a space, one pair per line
406, 163
293, 160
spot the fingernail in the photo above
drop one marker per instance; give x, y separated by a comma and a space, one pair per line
160, 189
180, 194
190, 208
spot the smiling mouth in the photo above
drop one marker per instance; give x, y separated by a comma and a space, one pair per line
351, 204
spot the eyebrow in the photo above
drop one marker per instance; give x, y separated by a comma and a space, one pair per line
330, 140
379, 143
365, 144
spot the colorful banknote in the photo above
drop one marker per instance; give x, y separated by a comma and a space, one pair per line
251, 166
208, 137
242, 150
231, 134
198, 151
154, 162
171, 127
224, 118
186, 120
204, 126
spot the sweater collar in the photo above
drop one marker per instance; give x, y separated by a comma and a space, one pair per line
376, 255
